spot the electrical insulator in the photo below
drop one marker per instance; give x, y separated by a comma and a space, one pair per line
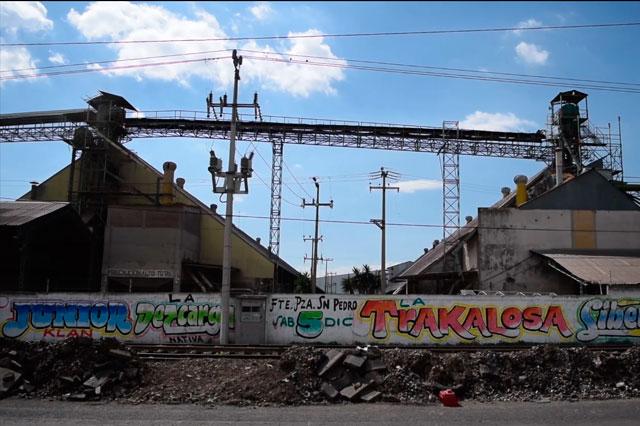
215, 163
246, 165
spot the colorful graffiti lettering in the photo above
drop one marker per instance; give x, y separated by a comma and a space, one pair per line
609, 318
179, 318
300, 303
109, 317
468, 322
311, 324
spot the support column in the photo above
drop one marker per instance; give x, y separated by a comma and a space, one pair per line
276, 197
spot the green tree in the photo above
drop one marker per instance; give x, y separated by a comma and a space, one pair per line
348, 285
302, 284
363, 281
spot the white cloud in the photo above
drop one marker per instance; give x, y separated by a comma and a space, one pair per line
295, 78
411, 186
14, 60
57, 58
532, 54
529, 23
141, 21
27, 15
496, 121
261, 11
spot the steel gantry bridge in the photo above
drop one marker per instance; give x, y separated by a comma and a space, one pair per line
448, 141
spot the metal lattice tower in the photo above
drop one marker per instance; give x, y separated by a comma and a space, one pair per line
276, 197
450, 190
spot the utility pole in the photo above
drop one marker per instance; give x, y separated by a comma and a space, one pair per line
326, 263
233, 181
314, 255
381, 223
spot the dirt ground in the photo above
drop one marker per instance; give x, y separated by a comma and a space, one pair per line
82, 369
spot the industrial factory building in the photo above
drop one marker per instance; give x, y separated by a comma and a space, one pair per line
570, 229
109, 221
577, 238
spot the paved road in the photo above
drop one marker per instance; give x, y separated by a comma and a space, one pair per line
36, 412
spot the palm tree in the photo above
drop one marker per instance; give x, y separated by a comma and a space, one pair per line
363, 281
302, 284
348, 285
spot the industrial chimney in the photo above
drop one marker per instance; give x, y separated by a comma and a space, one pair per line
521, 189
167, 197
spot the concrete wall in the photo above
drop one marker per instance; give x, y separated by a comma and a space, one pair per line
139, 241
407, 320
507, 236
154, 318
450, 320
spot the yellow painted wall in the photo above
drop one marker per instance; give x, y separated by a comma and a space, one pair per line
583, 229
251, 263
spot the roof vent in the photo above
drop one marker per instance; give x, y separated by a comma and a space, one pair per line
435, 243
180, 182
213, 207
468, 218
505, 191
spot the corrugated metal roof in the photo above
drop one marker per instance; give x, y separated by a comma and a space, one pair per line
17, 213
599, 269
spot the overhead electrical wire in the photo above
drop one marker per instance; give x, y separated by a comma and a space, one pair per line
442, 68
86, 70
441, 74
624, 87
79, 64
267, 164
335, 35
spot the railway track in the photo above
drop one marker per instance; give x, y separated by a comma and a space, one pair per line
175, 352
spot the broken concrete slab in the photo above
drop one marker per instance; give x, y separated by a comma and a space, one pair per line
370, 396
77, 397
354, 361
329, 390
342, 380
8, 380
69, 380
121, 354
375, 365
96, 382
351, 392
333, 357
375, 377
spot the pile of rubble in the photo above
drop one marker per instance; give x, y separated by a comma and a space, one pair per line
75, 369
82, 369
352, 375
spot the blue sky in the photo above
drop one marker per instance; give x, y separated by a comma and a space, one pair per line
341, 94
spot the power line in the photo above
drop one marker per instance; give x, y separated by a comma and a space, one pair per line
448, 75
17, 77
79, 64
428, 225
335, 35
441, 68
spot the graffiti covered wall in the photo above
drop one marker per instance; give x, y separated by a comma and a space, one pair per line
145, 318
409, 320
437, 320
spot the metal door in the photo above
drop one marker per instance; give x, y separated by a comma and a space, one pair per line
251, 318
